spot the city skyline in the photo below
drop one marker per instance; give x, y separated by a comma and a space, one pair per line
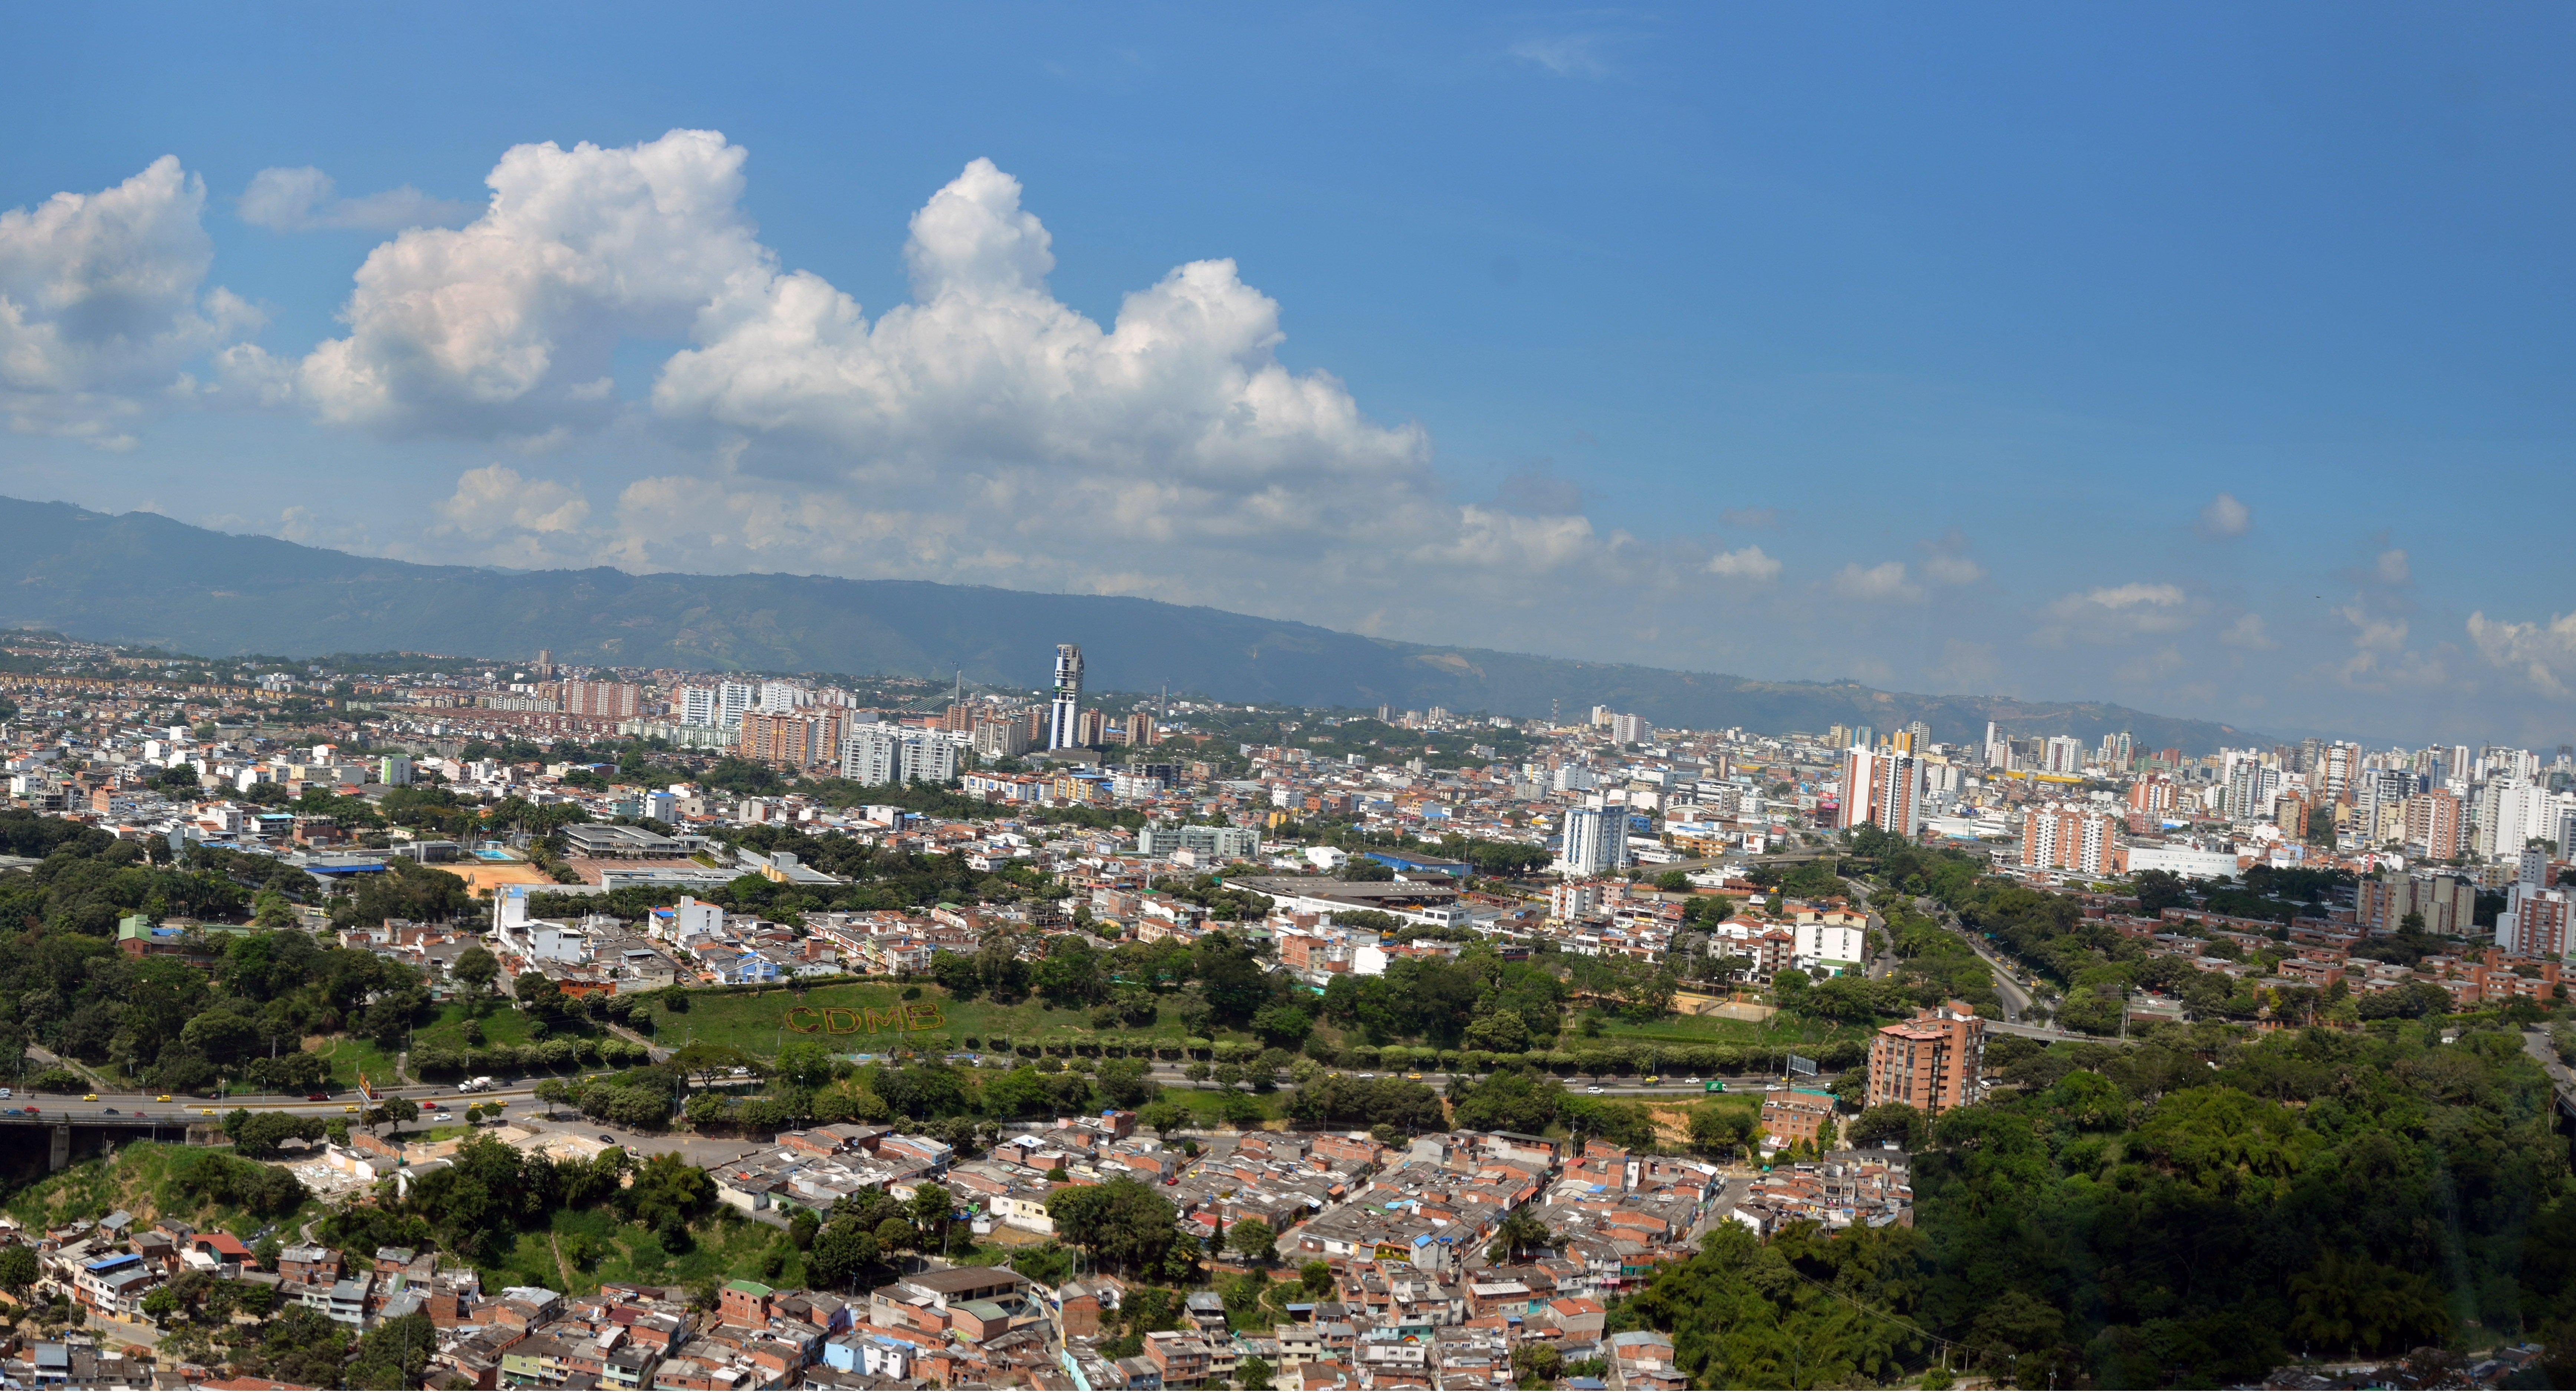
2096, 408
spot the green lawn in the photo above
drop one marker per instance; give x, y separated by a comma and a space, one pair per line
722, 1249
503, 1025
757, 1021
1206, 1104
1781, 1029
349, 1056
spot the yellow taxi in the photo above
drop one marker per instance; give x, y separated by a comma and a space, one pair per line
1415, 1076
162, 1098
90, 1098
350, 1108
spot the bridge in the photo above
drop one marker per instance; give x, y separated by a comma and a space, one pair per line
62, 1138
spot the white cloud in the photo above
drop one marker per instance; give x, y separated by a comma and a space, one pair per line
305, 200
2225, 517
1883, 582
982, 430
504, 326
2543, 654
1946, 560
2391, 568
497, 496
1749, 564
2115, 612
2248, 633
1567, 55
100, 306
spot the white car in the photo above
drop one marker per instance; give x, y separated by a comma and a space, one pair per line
1595, 1089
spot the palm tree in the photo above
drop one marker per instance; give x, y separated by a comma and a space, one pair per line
1519, 1232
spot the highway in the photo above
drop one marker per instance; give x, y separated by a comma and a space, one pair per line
49, 1106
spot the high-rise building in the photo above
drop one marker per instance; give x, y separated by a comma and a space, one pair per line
2444, 904
1998, 748
733, 701
1064, 713
1931, 1062
1091, 728
2062, 837
1630, 729
2065, 755
783, 698
2433, 824
1001, 736
606, 700
697, 705
879, 753
1884, 790
1596, 841
790, 741
2508, 808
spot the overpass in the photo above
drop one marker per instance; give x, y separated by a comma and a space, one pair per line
62, 1138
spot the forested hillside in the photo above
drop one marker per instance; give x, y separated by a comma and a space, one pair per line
2194, 1210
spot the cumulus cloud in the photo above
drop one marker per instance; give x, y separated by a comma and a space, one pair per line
2248, 633
1749, 564
2115, 612
1886, 582
1946, 560
2543, 654
981, 430
2225, 517
498, 496
306, 200
504, 327
2391, 568
100, 304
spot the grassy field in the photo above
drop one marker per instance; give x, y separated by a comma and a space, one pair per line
586, 1247
1779, 1030
134, 1179
756, 1021
349, 1056
503, 1025
1207, 1104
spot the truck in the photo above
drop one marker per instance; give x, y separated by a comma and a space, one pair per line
483, 1084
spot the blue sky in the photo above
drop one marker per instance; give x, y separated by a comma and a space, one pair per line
2206, 359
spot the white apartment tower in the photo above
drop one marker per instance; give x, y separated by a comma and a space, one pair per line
1064, 714
1884, 790
1596, 841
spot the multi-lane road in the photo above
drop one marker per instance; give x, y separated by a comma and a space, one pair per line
51, 1105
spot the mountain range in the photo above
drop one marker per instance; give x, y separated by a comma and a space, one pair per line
142, 578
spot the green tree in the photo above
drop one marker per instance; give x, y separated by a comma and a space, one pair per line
1254, 1240
1519, 1234
1890, 1121
1122, 1223
476, 969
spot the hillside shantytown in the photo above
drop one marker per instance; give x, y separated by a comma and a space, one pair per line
403, 1020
